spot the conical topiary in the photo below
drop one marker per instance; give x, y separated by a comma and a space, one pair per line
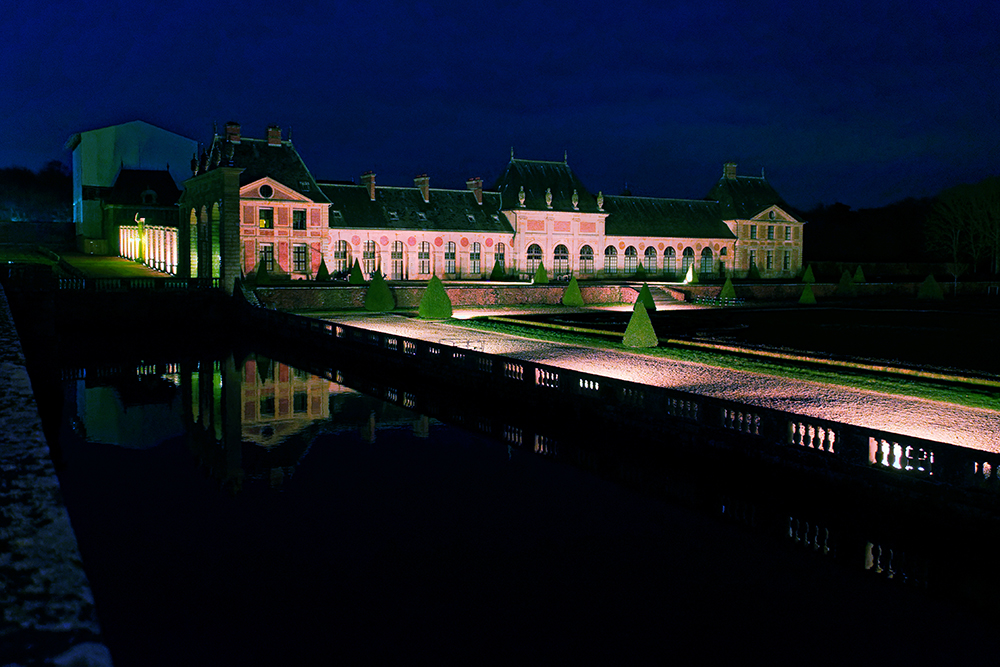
646, 298
378, 298
728, 291
434, 304
572, 296
640, 332
692, 276
263, 277
929, 289
859, 275
807, 295
541, 275
322, 274
497, 272
846, 285
356, 277
753, 273
808, 277
640, 272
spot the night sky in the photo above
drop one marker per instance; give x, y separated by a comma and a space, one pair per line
859, 102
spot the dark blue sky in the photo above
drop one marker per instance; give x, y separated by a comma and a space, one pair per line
857, 101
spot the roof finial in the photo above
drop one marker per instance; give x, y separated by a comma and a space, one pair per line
511, 152
565, 156
762, 172
289, 133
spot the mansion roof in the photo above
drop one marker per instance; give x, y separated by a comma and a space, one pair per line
538, 178
259, 159
677, 218
744, 197
133, 186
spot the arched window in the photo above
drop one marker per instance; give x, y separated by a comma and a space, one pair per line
586, 259
534, 257
193, 246
368, 259
475, 254
610, 260
722, 259
650, 264
397, 260
688, 260
706, 260
560, 260
500, 257
341, 256
449, 258
631, 259
669, 260
424, 258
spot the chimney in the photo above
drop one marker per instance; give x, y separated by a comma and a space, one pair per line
368, 180
273, 135
423, 181
233, 132
729, 170
476, 185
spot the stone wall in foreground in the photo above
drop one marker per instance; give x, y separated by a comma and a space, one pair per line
48, 611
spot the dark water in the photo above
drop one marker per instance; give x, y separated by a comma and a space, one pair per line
241, 512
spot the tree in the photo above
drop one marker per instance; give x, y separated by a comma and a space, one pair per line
497, 272
434, 304
929, 289
646, 298
964, 225
541, 275
356, 277
728, 291
640, 332
808, 277
640, 272
46, 195
378, 298
807, 295
846, 285
323, 273
859, 275
572, 296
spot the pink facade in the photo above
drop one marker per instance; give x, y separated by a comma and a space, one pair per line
282, 227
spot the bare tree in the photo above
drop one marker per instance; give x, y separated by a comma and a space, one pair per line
964, 224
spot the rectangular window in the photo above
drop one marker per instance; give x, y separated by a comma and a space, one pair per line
753, 231
500, 256
298, 219
449, 257
300, 258
300, 402
770, 232
769, 260
266, 217
788, 233
753, 258
267, 406
424, 257
267, 256
786, 263
474, 261
336, 219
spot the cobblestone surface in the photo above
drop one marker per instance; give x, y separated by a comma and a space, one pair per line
941, 422
48, 614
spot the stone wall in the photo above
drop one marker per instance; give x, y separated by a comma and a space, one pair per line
48, 610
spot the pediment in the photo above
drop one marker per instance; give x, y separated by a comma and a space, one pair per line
279, 191
778, 215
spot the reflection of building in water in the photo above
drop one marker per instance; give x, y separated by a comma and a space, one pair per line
134, 410
279, 400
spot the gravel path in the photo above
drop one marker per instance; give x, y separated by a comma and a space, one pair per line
968, 427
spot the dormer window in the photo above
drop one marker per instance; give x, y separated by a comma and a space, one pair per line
304, 186
394, 216
422, 216
471, 218
336, 217
149, 197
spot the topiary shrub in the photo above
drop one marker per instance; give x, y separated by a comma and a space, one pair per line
808, 277
859, 275
378, 298
322, 274
929, 289
263, 277
692, 276
639, 332
728, 291
807, 297
497, 272
356, 277
646, 298
846, 285
541, 275
640, 272
753, 273
434, 304
572, 296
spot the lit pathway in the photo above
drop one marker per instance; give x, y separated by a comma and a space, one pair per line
942, 422
99, 266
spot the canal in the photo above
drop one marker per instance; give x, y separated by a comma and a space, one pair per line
233, 509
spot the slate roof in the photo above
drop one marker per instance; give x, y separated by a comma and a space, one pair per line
446, 210
536, 176
131, 183
258, 159
645, 216
743, 197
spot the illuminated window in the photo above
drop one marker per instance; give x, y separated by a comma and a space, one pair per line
397, 260
266, 217
300, 258
786, 263
788, 233
298, 219
770, 232
769, 260
687, 260
586, 259
753, 258
650, 261
610, 259
424, 257
669, 260
449, 257
500, 257
534, 257
706, 261
753, 231
475, 265
631, 259
341, 256
368, 258
560, 260
267, 256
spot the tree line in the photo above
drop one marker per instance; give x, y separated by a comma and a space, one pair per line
45, 195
